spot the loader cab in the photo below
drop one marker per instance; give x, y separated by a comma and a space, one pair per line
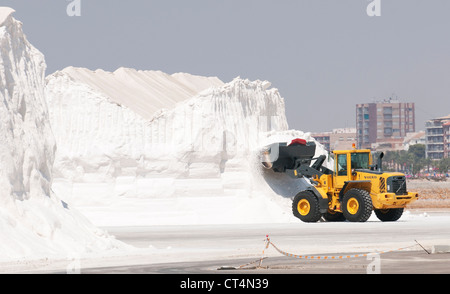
347, 161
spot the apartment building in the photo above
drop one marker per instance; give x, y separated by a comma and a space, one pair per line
438, 137
384, 125
446, 130
337, 139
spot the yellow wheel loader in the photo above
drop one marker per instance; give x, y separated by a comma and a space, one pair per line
356, 187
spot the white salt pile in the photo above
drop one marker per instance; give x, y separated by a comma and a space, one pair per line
194, 162
33, 221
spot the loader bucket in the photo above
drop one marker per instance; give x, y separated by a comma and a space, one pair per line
280, 156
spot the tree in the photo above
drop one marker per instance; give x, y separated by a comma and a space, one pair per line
417, 158
443, 165
412, 160
418, 151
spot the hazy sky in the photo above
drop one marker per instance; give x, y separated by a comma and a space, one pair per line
324, 56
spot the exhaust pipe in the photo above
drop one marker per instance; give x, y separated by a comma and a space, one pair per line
380, 161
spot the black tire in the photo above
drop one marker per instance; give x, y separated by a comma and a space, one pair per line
357, 205
334, 216
306, 207
389, 215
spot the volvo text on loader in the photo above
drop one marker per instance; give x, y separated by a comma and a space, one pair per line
356, 187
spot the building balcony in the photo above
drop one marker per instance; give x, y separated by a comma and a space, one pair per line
435, 150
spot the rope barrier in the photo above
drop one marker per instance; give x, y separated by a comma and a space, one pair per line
268, 242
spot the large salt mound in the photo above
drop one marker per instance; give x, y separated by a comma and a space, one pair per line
195, 163
144, 92
33, 221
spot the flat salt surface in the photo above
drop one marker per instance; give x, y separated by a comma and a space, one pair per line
190, 243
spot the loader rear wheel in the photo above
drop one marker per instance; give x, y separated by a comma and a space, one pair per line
357, 205
306, 207
389, 215
334, 216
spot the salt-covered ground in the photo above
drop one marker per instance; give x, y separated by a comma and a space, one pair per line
156, 245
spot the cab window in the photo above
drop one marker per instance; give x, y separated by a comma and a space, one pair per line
342, 164
360, 160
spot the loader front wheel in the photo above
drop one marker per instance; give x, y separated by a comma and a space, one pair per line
357, 205
306, 207
389, 215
